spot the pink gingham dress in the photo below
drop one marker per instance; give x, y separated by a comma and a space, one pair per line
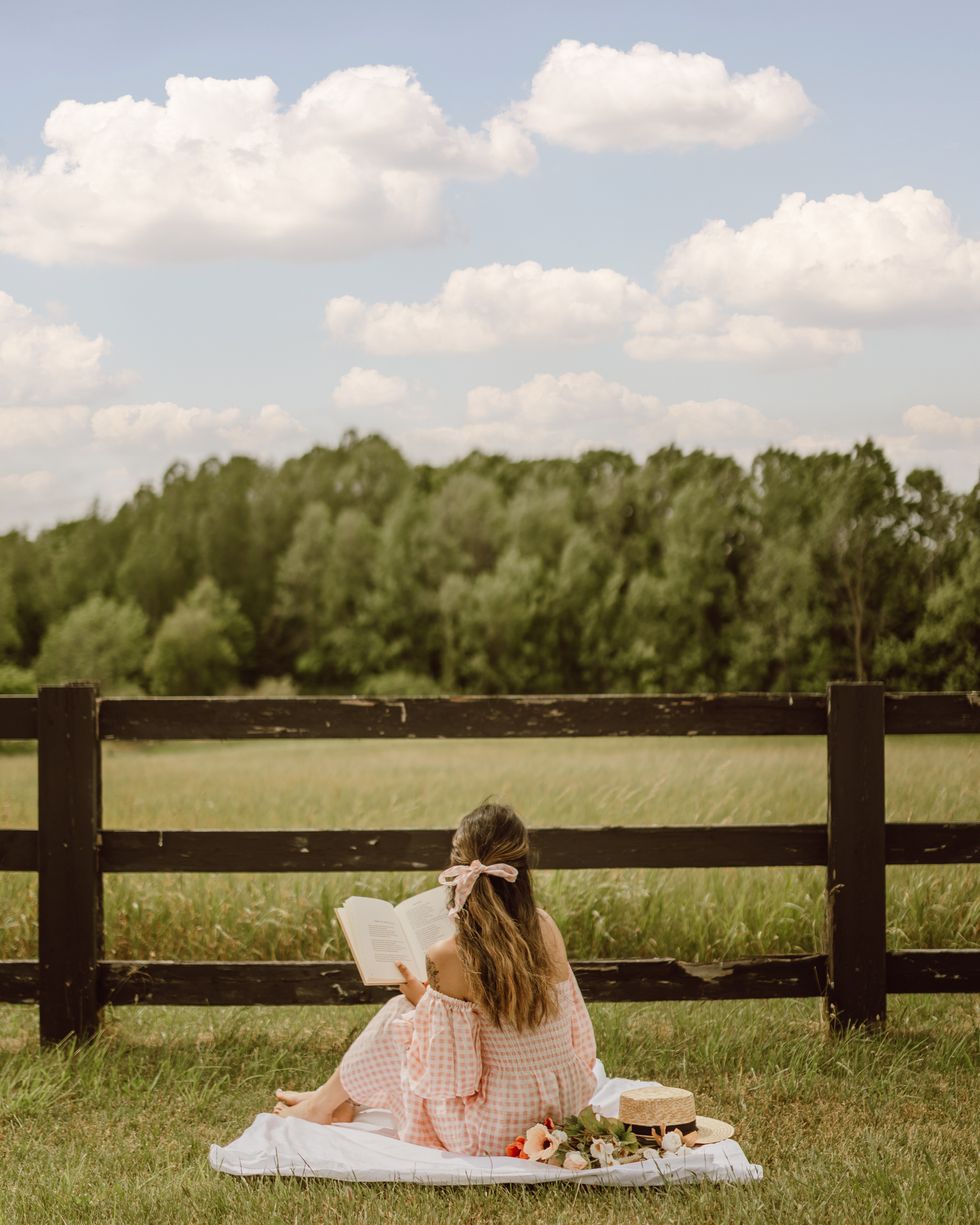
454, 1081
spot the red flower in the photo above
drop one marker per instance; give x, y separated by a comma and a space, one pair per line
516, 1149
549, 1123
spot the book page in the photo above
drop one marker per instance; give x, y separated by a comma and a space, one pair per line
376, 938
425, 920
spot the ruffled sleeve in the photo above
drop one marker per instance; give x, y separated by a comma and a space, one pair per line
443, 1058
583, 1035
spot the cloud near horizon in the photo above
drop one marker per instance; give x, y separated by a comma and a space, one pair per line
480, 309
48, 363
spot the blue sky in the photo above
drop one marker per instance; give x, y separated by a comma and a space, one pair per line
145, 320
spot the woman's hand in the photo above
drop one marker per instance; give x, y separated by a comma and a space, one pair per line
411, 988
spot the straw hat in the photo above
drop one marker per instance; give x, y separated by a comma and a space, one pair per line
663, 1107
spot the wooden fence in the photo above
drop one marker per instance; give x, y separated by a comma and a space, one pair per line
70, 851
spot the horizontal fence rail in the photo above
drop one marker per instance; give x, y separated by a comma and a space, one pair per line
412, 850
659, 978
71, 852
725, 714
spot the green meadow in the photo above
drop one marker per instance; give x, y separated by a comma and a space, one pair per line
845, 1129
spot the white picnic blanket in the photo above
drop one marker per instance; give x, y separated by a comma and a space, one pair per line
368, 1150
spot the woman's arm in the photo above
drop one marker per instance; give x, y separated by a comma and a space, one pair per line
412, 988
555, 944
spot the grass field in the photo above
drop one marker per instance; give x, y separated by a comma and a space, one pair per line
881, 1126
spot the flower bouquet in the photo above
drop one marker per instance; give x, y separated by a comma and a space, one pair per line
589, 1141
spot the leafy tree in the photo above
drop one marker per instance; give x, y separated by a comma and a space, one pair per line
301, 585
696, 596
201, 645
9, 633
101, 640
498, 631
466, 522
783, 642
858, 540
945, 652
14, 679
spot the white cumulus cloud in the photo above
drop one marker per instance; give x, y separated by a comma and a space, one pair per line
163, 422
842, 260
357, 163
590, 98
42, 427
47, 363
714, 423
362, 388
36, 481
700, 330
570, 413
483, 308
930, 421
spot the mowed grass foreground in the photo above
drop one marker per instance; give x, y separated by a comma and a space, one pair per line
848, 1131
880, 1127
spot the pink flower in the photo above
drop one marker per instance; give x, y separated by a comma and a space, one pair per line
575, 1161
539, 1143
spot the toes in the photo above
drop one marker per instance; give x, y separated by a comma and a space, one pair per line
290, 1096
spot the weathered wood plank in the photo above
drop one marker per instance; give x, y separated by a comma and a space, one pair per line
933, 970
18, 850
18, 982
69, 881
390, 850
932, 842
18, 717
725, 714
923, 714
855, 856
409, 850
337, 982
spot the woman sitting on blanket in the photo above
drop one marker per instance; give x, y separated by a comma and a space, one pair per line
496, 1039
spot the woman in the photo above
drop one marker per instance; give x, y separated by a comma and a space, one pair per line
496, 1039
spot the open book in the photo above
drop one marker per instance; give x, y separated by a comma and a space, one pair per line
380, 934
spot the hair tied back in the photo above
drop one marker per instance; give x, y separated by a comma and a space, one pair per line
464, 876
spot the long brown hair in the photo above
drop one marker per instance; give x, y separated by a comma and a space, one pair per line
499, 942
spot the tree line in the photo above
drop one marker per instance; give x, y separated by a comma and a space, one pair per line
349, 569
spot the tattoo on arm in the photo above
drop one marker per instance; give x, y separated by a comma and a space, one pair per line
431, 972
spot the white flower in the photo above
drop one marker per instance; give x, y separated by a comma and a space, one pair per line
539, 1143
559, 1136
602, 1150
575, 1161
672, 1142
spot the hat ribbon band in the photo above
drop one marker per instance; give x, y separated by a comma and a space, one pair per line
643, 1129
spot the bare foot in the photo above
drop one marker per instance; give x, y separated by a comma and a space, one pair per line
290, 1096
315, 1108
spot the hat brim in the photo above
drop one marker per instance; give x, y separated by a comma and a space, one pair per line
712, 1130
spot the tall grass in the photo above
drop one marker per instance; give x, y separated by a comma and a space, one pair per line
697, 914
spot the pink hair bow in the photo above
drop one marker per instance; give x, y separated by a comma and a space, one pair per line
463, 876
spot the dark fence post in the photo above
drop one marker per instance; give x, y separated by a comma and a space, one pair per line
855, 856
70, 934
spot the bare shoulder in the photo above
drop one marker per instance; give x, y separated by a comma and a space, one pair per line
443, 970
555, 942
